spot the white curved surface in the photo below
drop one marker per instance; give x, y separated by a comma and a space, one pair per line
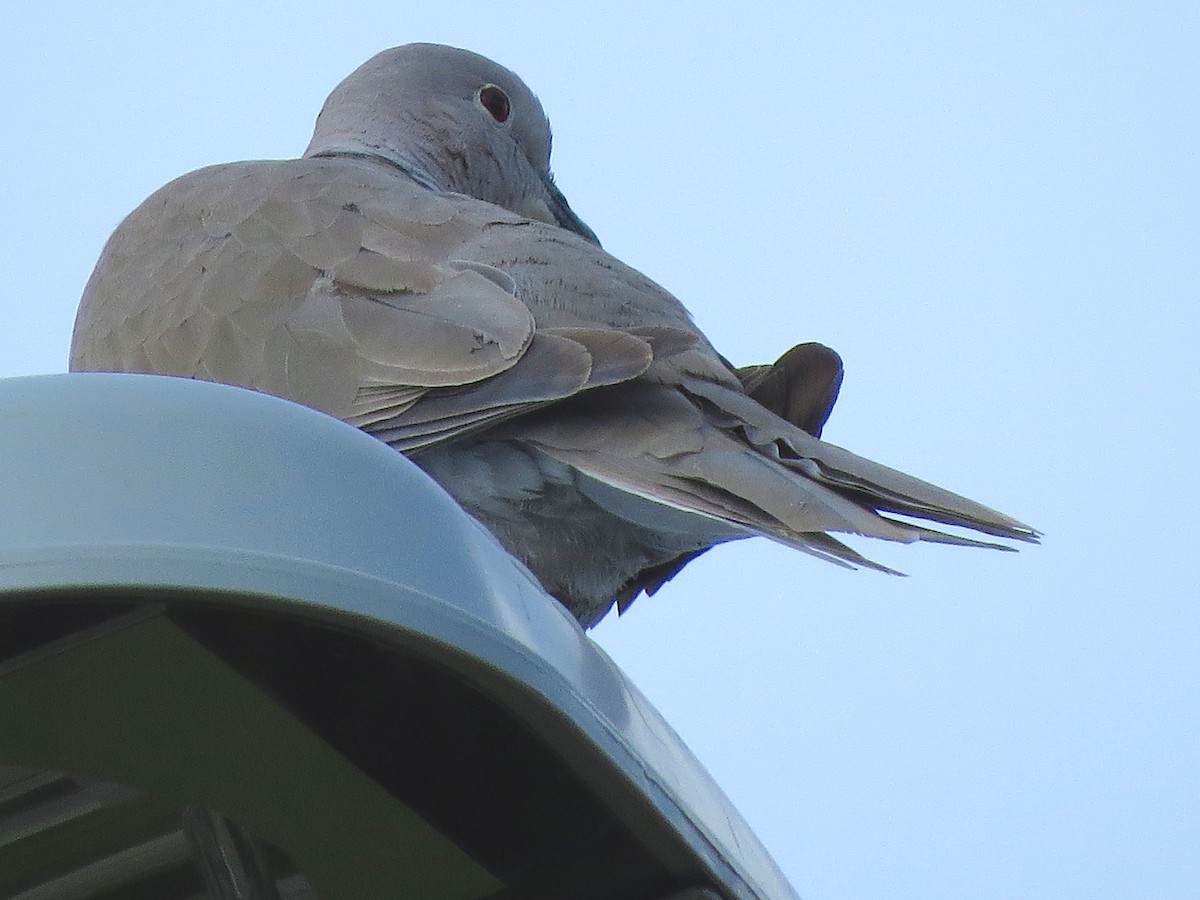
134, 480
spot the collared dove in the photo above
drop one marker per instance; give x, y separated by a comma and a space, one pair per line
418, 274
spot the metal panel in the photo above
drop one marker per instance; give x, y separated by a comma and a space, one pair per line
120, 482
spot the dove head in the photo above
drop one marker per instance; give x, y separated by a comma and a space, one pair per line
453, 121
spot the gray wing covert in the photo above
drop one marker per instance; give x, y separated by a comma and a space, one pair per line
341, 288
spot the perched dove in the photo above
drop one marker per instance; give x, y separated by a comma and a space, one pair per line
418, 274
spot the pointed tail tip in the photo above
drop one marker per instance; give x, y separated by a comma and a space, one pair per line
999, 526
1019, 531
1015, 532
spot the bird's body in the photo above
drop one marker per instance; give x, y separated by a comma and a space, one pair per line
419, 276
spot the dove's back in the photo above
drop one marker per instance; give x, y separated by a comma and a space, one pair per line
209, 278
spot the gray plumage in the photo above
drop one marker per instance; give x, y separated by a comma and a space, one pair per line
418, 274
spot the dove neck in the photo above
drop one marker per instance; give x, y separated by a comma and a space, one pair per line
411, 171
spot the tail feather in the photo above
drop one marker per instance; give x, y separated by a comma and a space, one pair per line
868, 484
689, 447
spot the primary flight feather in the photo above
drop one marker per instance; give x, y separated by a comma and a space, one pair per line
418, 274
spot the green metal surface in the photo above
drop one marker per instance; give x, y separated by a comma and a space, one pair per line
142, 703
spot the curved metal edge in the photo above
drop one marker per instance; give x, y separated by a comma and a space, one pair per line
403, 617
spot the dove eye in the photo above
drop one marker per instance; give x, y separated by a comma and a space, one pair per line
495, 101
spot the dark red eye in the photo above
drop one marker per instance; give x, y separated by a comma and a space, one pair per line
495, 101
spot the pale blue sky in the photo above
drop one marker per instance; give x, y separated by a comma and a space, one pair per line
990, 210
